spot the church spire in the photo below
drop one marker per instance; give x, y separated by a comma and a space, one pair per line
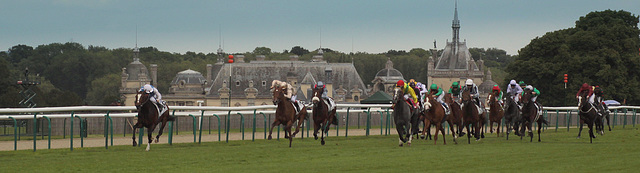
456, 29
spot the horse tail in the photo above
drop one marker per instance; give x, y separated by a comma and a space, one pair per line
171, 118
545, 121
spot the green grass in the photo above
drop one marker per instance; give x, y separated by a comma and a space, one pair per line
558, 152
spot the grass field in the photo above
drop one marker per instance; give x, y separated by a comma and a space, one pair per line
617, 151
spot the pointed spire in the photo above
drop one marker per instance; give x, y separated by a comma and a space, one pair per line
456, 29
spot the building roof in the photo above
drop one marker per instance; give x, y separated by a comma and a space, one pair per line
189, 77
135, 68
379, 97
262, 73
389, 73
487, 84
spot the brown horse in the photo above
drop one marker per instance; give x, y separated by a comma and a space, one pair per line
286, 114
148, 117
588, 114
529, 114
322, 116
496, 112
471, 116
434, 113
455, 117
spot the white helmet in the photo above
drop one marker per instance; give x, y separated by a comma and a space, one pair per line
469, 82
529, 87
148, 88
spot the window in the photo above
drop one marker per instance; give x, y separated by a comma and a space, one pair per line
237, 83
264, 83
356, 98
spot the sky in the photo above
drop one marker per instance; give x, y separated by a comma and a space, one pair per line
372, 26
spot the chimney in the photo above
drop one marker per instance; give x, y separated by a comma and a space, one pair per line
154, 75
209, 69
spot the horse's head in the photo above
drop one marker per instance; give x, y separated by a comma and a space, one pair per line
582, 99
316, 95
397, 95
526, 96
141, 98
278, 94
428, 101
466, 96
448, 98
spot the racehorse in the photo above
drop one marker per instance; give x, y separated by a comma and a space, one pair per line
495, 112
434, 113
322, 116
530, 115
455, 116
588, 114
286, 114
471, 116
148, 117
404, 117
511, 116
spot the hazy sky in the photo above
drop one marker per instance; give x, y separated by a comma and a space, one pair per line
372, 26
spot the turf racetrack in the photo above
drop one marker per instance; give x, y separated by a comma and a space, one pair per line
617, 151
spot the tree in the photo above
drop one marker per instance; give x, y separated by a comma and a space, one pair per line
104, 90
297, 50
262, 51
599, 50
19, 52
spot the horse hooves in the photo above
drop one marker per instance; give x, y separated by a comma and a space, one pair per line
316, 138
322, 142
269, 138
157, 140
134, 144
422, 136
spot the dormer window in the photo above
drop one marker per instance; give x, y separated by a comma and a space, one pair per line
264, 83
237, 83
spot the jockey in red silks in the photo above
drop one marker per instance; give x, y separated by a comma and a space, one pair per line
586, 88
408, 92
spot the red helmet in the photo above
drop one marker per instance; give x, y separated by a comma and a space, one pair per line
585, 86
400, 83
496, 88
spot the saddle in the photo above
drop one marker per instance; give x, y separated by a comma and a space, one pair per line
296, 106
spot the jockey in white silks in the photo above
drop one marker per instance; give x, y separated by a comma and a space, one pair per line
155, 97
290, 92
514, 90
473, 90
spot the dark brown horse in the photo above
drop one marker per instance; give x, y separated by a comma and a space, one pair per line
148, 117
434, 114
455, 117
588, 114
322, 116
404, 117
530, 115
286, 114
496, 112
471, 116
511, 115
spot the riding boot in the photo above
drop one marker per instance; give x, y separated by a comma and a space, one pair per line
446, 109
295, 103
160, 106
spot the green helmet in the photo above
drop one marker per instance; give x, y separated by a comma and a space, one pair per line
455, 84
433, 87
521, 83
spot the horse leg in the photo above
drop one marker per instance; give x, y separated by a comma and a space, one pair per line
400, 130
539, 128
274, 124
409, 134
150, 131
466, 125
316, 127
530, 130
424, 129
498, 127
164, 122
580, 131
607, 117
135, 127
591, 136
300, 122
287, 130
453, 132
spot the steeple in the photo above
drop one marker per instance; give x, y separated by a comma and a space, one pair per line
136, 51
456, 29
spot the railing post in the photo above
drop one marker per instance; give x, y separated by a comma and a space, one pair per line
368, 120
194, 127
568, 119
625, 118
226, 126
346, 127
81, 134
634, 118
71, 133
253, 134
381, 116
15, 133
106, 131
557, 115
388, 122
170, 140
615, 114
35, 130
218, 126
241, 124
49, 122
201, 120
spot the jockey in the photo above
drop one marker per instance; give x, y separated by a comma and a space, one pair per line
498, 97
439, 93
535, 93
473, 90
514, 90
154, 96
423, 90
330, 102
290, 90
455, 89
408, 92
599, 95
586, 88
